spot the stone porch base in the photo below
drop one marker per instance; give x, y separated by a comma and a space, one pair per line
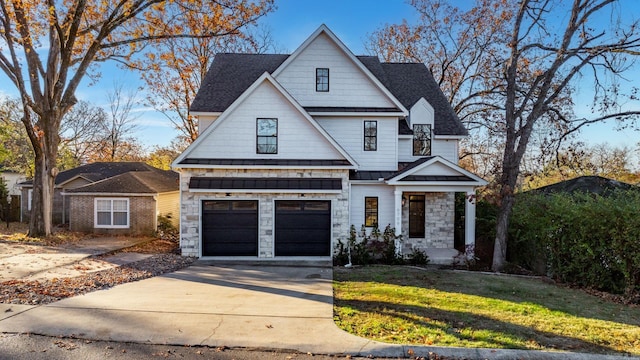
441, 256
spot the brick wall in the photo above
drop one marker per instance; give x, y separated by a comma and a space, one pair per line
142, 216
190, 206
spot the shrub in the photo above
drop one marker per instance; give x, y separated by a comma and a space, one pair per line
417, 257
584, 239
362, 248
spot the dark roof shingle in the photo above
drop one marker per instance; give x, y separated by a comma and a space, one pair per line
231, 74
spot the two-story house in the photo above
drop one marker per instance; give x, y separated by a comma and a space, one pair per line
293, 149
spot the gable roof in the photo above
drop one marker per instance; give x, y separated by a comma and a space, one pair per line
135, 182
183, 161
230, 75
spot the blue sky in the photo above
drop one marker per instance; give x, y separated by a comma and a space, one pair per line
293, 21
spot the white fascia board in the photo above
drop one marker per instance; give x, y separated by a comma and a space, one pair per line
205, 113
260, 167
450, 137
435, 188
357, 114
266, 191
434, 183
324, 29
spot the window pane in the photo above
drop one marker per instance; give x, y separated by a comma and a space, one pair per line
370, 211
421, 140
267, 145
120, 218
245, 205
120, 205
322, 79
288, 205
267, 127
103, 205
370, 135
316, 205
104, 218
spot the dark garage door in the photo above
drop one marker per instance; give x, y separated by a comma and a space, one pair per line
229, 228
303, 228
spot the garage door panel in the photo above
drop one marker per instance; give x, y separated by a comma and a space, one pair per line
303, 228
229, 228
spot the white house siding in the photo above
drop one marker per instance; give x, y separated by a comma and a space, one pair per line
386, 204
169, 205
190, 211
348, 132
447, 149
439, 222
348, 85
235, 136
204, 121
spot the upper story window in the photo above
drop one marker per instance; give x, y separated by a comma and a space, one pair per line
421, 139
370, 211
267, 136
111, 213
370, 135
322, 79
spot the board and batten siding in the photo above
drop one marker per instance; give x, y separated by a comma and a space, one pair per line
386, 204
235, 136
447, 149
169, 205
348, 132
348, 85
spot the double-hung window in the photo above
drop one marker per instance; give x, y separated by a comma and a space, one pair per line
370, 135
322, 79
370, 211
267, 136
421, 139
111, 213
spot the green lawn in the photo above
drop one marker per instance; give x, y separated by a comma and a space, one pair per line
447, 308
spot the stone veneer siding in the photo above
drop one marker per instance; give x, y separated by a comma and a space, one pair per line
439, 223
190, 211
142, 214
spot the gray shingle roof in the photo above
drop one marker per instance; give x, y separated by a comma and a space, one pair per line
231, 74
585, 184
135, 182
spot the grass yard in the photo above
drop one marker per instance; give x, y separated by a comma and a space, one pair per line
448, 308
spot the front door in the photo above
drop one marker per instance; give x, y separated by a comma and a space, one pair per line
416, 216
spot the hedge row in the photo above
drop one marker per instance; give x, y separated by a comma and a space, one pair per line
588, 240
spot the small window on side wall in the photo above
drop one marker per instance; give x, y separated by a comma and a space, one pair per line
370, 211
111, 213
370, 135
322, 79
267, 136
422, 140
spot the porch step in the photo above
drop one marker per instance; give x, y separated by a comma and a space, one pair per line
441, 256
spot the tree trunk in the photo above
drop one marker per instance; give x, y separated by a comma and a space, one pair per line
45, 145
502, 228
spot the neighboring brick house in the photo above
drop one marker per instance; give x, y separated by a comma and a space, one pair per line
293, 149
114, 198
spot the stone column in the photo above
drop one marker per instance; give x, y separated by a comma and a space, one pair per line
470, 224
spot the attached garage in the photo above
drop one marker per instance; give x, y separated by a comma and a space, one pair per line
229, 228
303, 228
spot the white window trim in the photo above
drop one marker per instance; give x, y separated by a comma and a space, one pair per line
95, 214
29, 199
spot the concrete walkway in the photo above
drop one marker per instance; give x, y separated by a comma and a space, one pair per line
249, 306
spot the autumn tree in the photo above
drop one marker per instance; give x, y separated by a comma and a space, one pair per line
15, 152
176, 68
48, 47
518, 76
